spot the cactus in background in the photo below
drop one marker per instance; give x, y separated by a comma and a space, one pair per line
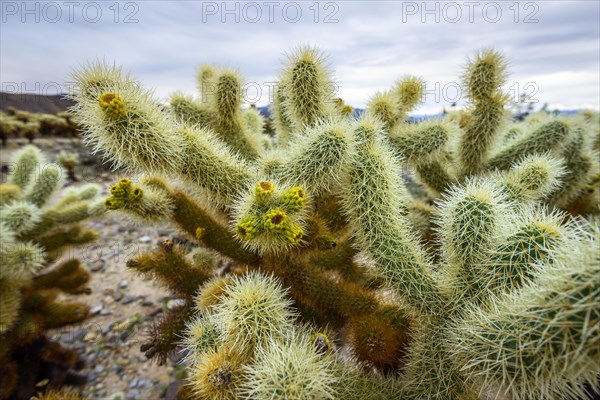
69, 161
482, 140
9, 127
483, 78
35, 231
30, 130
329, 253
51, 125
19, 123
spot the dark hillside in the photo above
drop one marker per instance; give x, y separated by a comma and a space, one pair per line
36, 103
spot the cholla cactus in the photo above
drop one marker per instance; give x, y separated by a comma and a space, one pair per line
482, 140
69, 161
462, 294
34, 231
247, 346
20, 123
9, 127
51, 125
30, 130
71, 129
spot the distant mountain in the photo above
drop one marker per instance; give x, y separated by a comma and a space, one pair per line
37, 103
266, 111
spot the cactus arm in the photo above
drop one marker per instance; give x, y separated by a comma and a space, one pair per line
189, 111
61, 237
533, 178
408, 92
315, 160
372, 200
483, 78
169, 265
414, 145
540, 141
542, 340
25, 162
226, 118
434, 175
308, 83
190, 216
282, 122
211, 165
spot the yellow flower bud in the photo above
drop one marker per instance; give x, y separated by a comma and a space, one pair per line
275, 220
294, 199
248, 228
113, 105
263, 192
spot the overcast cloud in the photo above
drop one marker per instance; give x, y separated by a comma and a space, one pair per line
553, 46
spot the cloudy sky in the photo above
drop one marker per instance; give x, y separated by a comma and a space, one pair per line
553, 47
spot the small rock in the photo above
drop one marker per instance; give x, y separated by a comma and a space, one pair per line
134, 383
146, 383
108, 300
70, 338
154, 312
133, 394
96, 309
97, 265
129, 299
118, 295
145, 239
123, 284
90, 336
78, 334
147, 303
162, 232
105, 311
121, 229
117, 396
90, 358
98, 368
174, 303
